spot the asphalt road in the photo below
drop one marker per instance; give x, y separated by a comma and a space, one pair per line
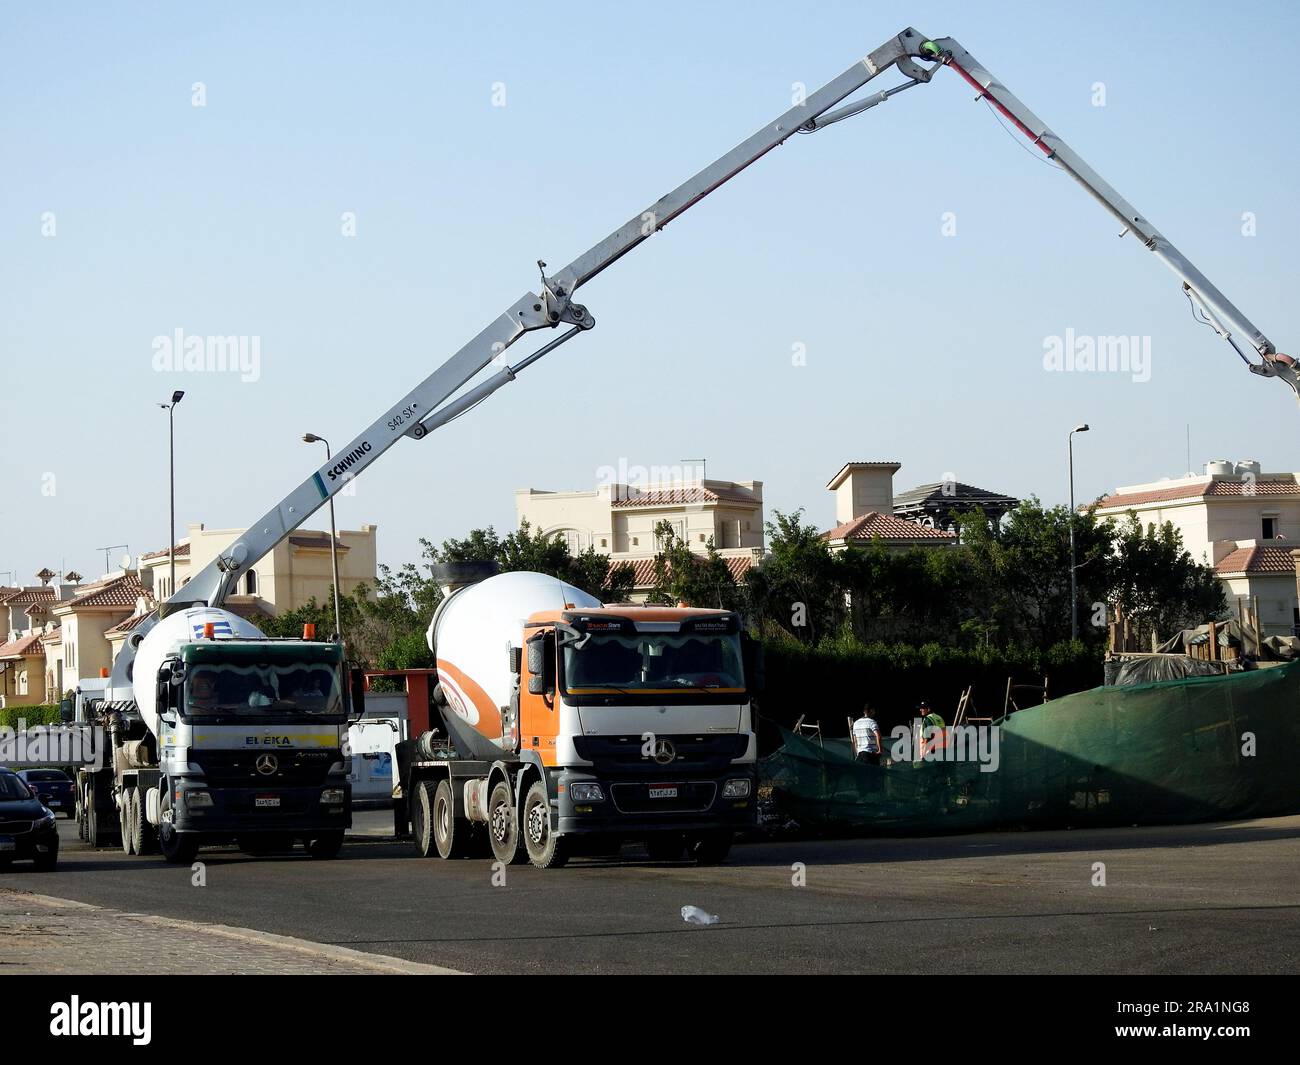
1219, 898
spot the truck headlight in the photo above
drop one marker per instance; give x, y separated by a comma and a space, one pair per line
586, 793
198, 800
332, 796
735, 789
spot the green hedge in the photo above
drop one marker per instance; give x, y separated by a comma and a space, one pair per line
46, 714
831, 681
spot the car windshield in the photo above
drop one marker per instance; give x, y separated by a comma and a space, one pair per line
653, 661
263, 689
11, 787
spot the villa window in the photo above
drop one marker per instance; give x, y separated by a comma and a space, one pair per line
1269, 527
250, 582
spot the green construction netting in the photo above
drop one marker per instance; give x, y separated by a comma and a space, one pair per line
1199, 749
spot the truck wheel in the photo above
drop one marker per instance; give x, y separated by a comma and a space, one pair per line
176, 847
451, 834
665, 846
143, 837
710, 848
503, 826
325, 846
422, 819
97, 822
546, 850
125, 829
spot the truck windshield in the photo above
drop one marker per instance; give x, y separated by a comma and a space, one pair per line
646, 662
263, 689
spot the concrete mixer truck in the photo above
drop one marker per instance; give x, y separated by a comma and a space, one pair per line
227, 735
570, 727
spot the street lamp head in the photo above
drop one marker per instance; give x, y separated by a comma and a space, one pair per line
310, 438
177, 396
1081, 428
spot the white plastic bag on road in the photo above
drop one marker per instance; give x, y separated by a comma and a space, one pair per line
694, 915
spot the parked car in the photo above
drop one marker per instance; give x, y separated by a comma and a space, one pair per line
53, 788
27, 829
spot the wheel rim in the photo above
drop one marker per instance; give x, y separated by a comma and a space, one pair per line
500, 822
444, 820
536, 823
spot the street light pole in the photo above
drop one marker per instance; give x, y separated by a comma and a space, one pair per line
177, 396
1074, 574
312, 438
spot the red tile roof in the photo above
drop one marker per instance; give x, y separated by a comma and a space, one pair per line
643, 569
115, 592
870, 464
1202, 489
24, 645
1257, 560
315, 539
42, 594
874, 524
127, 624
676, 496
182, 551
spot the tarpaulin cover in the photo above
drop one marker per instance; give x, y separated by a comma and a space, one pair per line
1199, 749
1146, 669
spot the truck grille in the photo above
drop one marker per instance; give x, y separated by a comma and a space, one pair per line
239, 768
695, 753
693, 797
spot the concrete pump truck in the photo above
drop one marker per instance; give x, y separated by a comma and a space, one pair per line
537, 749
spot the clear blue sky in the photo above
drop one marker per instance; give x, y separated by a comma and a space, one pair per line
226, 220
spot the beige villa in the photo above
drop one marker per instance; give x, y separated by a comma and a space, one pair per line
619, 520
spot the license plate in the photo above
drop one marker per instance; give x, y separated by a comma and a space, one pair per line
669, 792
7, 843
262, 801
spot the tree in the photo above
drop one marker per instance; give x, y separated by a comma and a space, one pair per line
799, 586
683, 576
1157, 584
1022, 569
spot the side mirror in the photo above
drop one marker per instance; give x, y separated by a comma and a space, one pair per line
541, 664
66, 710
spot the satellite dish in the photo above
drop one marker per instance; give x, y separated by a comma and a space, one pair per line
126, 560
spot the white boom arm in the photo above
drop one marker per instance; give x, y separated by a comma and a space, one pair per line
426, 406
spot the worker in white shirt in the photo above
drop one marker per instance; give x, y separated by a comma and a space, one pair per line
866, 738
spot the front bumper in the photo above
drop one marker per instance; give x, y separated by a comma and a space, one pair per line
21, 846
629, 807
280, 809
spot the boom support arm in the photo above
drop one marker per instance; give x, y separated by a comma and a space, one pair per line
1219, 312
418, 412
431, 404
